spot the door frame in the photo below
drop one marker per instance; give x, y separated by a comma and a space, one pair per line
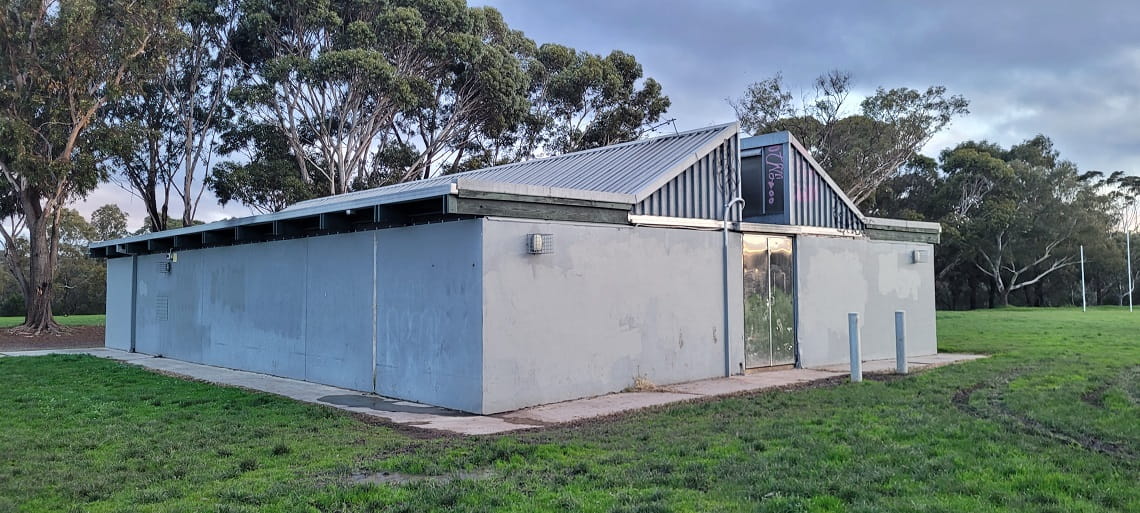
796, 357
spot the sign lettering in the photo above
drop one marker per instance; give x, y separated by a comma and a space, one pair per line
773, 170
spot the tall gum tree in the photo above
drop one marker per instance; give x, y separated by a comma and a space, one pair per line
61, 61
171, 124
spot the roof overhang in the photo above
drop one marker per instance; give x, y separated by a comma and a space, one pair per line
462, 198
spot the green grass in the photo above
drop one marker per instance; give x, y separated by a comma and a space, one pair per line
66, 320
1050, 423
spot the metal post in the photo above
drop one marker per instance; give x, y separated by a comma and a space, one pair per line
856, 357
1084, 303
1128, 253
900, 342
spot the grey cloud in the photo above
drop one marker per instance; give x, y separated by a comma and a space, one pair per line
1068, 70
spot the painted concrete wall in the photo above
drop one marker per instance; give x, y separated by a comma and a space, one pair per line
251, 307
118, 330
608, 304
430, 314
872, 278
304, 309
460, 315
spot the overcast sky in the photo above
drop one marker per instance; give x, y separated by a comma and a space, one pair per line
1069, 70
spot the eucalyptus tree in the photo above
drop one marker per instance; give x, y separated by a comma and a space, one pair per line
476, 89
576, 100
264, 176
172, 123
109, 222
862, 150
61, 62
345, 79
321, 79
1019, 215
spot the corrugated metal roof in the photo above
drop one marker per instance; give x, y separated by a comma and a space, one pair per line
635, 168
619, 174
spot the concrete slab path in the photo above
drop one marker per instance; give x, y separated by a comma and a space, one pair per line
442, 419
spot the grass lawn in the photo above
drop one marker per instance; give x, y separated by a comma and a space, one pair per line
1050, 423
68, 320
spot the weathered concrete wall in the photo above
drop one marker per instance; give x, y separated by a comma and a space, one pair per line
249, 307
118, 330
873, 278
608, 304
430, 314
338, 310
304, 309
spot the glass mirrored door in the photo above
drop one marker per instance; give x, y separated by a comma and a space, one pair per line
769, 301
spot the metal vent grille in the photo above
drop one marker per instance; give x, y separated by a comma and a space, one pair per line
162, 308
163, 267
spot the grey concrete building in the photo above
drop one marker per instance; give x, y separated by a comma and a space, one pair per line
537, 282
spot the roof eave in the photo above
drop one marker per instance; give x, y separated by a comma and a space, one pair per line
413, 195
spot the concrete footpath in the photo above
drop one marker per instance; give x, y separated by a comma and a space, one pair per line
442, 419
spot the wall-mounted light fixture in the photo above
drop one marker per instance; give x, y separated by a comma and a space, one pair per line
539, 243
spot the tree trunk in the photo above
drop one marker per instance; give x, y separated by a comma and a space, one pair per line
42, 255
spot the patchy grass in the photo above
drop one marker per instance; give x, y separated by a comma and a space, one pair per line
1048, 424
66, 320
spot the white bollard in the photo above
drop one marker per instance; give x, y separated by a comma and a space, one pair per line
900, 342
856, 356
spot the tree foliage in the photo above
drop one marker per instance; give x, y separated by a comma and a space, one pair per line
269, 179
1014, 220
577, 100
61, 62
109, 222
366, 94
170, 125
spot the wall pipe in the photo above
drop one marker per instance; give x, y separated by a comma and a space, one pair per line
727, 342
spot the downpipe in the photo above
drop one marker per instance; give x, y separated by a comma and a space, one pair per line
724, 252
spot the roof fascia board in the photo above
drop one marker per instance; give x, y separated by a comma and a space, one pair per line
712, 224
789, 229
676, 222
468, 184
901, 236
903, 225
727, 130
503, 207
752, 145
